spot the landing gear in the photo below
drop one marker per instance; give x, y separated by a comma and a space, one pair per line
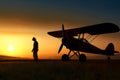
82, 58
65, 57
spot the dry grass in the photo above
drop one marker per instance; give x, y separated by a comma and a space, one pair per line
58, 70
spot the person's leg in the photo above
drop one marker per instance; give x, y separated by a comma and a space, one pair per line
35, 56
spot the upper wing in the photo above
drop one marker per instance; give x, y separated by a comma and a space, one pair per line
92, 30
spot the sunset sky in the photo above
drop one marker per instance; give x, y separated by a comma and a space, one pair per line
20, 20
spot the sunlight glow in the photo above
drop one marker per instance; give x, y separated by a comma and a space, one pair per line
11, 48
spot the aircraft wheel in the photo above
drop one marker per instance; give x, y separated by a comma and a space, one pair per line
82, 58
65, 57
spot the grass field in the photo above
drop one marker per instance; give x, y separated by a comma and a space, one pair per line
58, 70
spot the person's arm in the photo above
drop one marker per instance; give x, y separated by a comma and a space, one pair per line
33, 48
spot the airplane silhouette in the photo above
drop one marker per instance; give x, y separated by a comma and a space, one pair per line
81, 44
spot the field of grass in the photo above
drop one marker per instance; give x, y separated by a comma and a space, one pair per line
58, 70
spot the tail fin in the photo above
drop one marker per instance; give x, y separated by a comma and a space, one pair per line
110, 49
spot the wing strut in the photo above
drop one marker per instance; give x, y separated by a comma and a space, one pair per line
94, 38
88, 37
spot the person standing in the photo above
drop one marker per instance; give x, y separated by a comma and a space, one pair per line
35, 49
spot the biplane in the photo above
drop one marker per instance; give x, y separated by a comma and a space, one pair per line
75, 40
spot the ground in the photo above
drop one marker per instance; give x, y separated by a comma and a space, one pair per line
59, 70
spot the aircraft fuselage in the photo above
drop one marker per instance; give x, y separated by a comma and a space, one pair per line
82, 45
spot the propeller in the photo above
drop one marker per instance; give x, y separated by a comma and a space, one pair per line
62, 39
60, 48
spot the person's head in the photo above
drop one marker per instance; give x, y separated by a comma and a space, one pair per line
34, 39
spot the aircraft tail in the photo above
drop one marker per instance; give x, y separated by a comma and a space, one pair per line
110, 50
110, 46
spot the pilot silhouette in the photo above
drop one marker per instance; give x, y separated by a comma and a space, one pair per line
35, 49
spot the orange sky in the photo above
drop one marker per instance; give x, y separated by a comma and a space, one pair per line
21, 39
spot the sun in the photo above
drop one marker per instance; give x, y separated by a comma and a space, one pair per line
11, 48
